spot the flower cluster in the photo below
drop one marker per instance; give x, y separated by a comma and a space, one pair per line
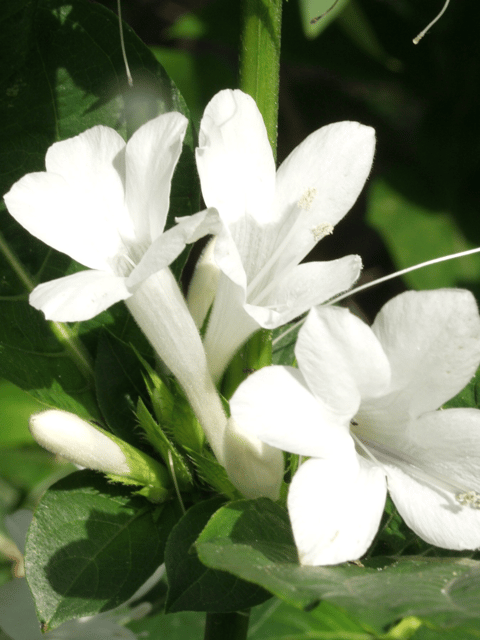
362, 407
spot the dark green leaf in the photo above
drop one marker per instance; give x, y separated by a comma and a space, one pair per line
33, 357
283, 346
252, 540
119, 384
91, 545
193, 587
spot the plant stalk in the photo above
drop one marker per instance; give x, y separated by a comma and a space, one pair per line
260, 59
220, 626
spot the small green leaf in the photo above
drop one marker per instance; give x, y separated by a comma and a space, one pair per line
192, 586
213, 473
91, 545
283, 344
164, 446
119, 384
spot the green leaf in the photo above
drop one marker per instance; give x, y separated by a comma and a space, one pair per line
213, 473
414, 233
252, 540
91, 545
34, 359
283, 343
165, 447
119, 384
193, 587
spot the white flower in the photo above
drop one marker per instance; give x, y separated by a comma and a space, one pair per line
104, 203
272, 220
17, 610
363, 406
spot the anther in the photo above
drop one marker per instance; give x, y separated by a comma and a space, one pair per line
469, 499
307, 198
322, 230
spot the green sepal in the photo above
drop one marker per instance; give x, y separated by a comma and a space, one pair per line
172, 410
157, 495
144, 470
170, 454
213, 474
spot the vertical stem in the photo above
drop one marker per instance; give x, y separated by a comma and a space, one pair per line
220, 626
260, 59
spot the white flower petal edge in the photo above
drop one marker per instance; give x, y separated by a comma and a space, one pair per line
81, 296
271, 227
275, 405
446, 446
335, 508
432, 341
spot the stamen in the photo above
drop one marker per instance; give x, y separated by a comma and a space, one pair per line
417, 39
122, 45
469, 499
336, 299
322, 230
402, 272
307, 199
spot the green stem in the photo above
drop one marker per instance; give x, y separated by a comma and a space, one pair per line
64, 334
260, 59
234, 626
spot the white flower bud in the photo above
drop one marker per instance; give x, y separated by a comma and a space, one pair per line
76, 440
255, 468
90, 446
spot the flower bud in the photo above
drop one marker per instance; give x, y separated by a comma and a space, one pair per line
90, 446
203, 285
255, 468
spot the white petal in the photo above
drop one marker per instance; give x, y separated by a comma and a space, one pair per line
203, 285
151, 156
319, 182
275, 406
229, 326
335, 508
255, 468
17, 611
234, 158
432, 340
67, 217
169, 245
303, 287
444, 455
80, 296
93, 166
341, 359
